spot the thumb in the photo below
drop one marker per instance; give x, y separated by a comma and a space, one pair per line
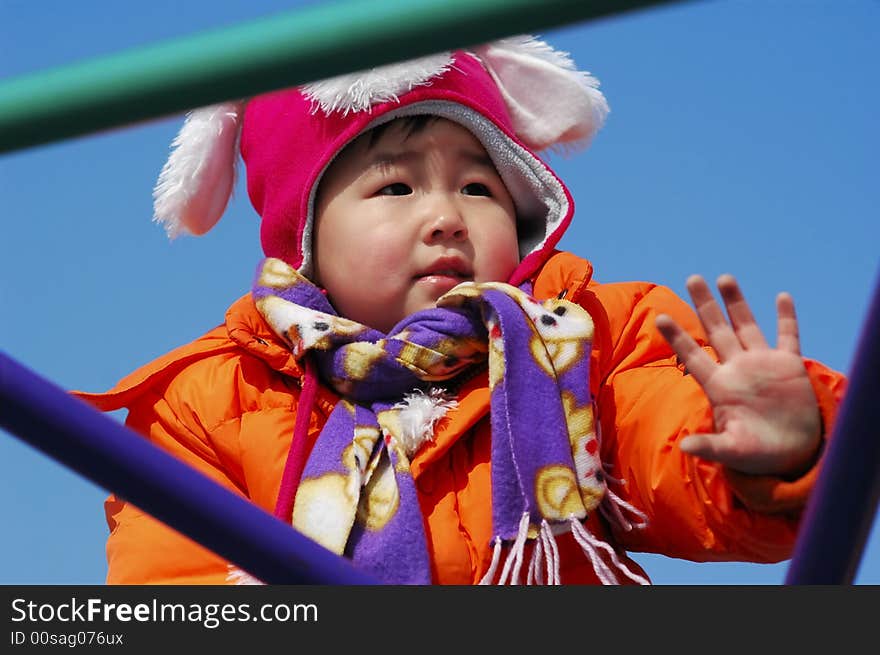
702, 445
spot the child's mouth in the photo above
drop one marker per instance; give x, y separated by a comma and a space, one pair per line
446, 271
443, 278
449, 273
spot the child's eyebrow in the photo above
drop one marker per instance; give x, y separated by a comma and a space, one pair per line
380, 160
478, 158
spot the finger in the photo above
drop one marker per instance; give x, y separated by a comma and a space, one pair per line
697, 361
744, 324
718, 330
787, 331
715, 447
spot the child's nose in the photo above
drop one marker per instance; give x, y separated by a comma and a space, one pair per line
446, 226
445, 222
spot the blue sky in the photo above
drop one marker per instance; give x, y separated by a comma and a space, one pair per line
742, 138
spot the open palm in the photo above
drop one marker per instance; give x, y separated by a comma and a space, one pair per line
765, 411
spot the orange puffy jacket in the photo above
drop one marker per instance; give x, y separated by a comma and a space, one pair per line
226, 404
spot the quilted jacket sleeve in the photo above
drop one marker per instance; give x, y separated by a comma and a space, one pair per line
141, 549
646, 403
240, 445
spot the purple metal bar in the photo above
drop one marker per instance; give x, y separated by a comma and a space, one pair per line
841, 508
114, 457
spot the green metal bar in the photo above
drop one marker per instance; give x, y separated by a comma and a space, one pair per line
270, 53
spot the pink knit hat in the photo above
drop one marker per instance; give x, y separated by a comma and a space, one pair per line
516, 96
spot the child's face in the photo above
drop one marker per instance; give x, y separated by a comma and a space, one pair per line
400, 222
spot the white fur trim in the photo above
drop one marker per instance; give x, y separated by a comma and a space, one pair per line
551, 103
419, 413
196, 182
359, 91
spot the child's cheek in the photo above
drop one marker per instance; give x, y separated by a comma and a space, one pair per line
384, 253
378, 263
496, 255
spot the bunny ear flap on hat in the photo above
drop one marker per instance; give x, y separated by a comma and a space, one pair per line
196, 182
552, 105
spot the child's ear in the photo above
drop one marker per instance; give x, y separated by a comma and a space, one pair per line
196, 182
551, 103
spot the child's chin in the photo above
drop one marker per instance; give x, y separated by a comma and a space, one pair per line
413, 308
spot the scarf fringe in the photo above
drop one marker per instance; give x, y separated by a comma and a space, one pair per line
545, 555
513, 563
590, 543
603, 572
550, 552
612, 504
544, 564
493, 567
536, 572
238, 577
611, 507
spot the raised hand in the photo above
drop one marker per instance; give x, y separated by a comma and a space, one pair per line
766, 415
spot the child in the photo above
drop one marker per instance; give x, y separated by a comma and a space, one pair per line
420, 382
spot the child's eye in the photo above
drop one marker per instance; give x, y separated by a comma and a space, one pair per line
476, 189
396, 189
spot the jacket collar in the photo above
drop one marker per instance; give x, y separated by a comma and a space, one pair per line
247, 328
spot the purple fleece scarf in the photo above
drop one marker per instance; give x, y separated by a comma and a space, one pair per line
357, 496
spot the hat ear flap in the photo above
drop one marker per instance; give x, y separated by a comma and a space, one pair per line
551, 103
196, 182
